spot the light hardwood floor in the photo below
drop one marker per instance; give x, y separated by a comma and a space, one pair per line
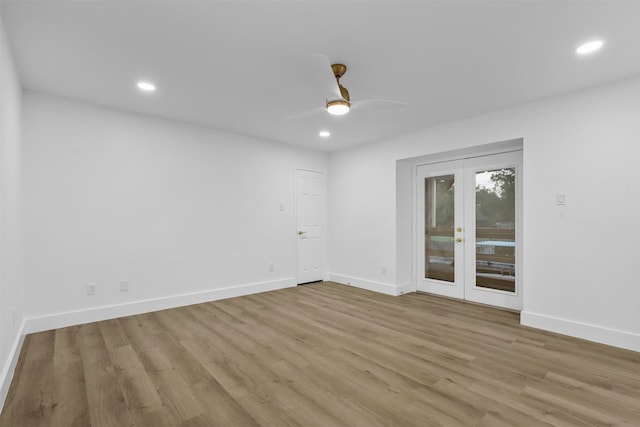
320, 355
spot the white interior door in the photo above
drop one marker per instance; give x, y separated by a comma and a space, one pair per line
469, 229
310, 222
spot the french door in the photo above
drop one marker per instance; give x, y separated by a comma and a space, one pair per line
468, 223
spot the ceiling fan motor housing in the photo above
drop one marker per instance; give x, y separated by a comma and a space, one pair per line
338, 70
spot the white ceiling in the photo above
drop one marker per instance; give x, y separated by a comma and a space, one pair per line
244, 66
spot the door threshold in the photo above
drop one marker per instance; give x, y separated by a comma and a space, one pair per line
511, 310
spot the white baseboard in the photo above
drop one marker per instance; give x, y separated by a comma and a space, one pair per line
370, 285
6, 375
96, 314
599, 334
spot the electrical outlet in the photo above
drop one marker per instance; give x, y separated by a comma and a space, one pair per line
124, 286
91, 289
272, 267
384, 270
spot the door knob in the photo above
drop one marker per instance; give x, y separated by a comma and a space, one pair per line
300, 233
459, 229
459, 239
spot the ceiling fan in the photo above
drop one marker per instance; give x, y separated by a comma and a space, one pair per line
340, 102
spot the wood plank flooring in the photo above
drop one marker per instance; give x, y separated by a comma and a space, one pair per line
320, 355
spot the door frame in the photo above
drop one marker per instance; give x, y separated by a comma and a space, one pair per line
323, 214
410, 165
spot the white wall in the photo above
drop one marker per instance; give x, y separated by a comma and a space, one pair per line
581, 274
184, 213
11, 308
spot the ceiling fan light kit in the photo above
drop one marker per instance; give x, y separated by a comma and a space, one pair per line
337, 107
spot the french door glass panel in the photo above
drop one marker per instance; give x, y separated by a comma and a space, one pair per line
496, 229
439, 227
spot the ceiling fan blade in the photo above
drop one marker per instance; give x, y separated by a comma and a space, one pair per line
306, 113
378, 104
330, 82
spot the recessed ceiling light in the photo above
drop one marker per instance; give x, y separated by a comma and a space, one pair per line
146, 86
589, 47
324, 133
